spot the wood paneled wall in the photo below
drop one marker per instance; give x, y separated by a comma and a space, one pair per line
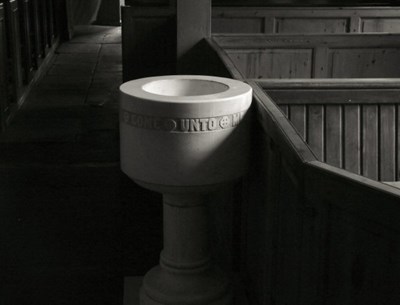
29, 34
305, 20
314, 56
350, 124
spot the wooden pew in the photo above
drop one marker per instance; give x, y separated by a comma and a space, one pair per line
313, 233
305, 20
313, 56
28, 42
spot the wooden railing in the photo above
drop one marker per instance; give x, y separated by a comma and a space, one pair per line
29, 33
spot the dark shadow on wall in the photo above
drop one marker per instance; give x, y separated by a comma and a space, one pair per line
100, 12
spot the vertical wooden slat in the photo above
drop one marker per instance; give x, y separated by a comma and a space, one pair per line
352, 134
36, 26
26, 46
285, 109
193, 23
44, 29
14, 43
333, 134
355, 24
370, 141
3, 70
320, 62
298, 117
315, 130
269, 25
387, 145
397, 146
50, 22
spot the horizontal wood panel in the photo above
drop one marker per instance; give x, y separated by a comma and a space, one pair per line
352, 129
239, 25
329, 56
297, 20
277, 63
337, 96
289, 25
379, 24
374, 62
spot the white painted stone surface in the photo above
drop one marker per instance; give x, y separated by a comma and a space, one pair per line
184, 130
184, 136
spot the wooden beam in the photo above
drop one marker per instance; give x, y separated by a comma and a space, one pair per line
193, 23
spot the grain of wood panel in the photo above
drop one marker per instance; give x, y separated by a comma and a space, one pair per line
370, 145
285, 110
238, 25
375, 25
387, 143
292, 25
298, 117
320, 62
333, 137
315, 130
367, 62
289, 237
348, 96
275, 63
358, 257
352, 144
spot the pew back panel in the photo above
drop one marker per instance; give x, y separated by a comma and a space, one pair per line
313, 56
303, 20
350, 124
313, 233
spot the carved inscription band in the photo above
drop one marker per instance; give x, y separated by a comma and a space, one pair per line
181, 124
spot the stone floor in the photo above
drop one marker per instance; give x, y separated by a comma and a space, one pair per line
71, 224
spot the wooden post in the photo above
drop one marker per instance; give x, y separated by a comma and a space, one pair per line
193, 24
